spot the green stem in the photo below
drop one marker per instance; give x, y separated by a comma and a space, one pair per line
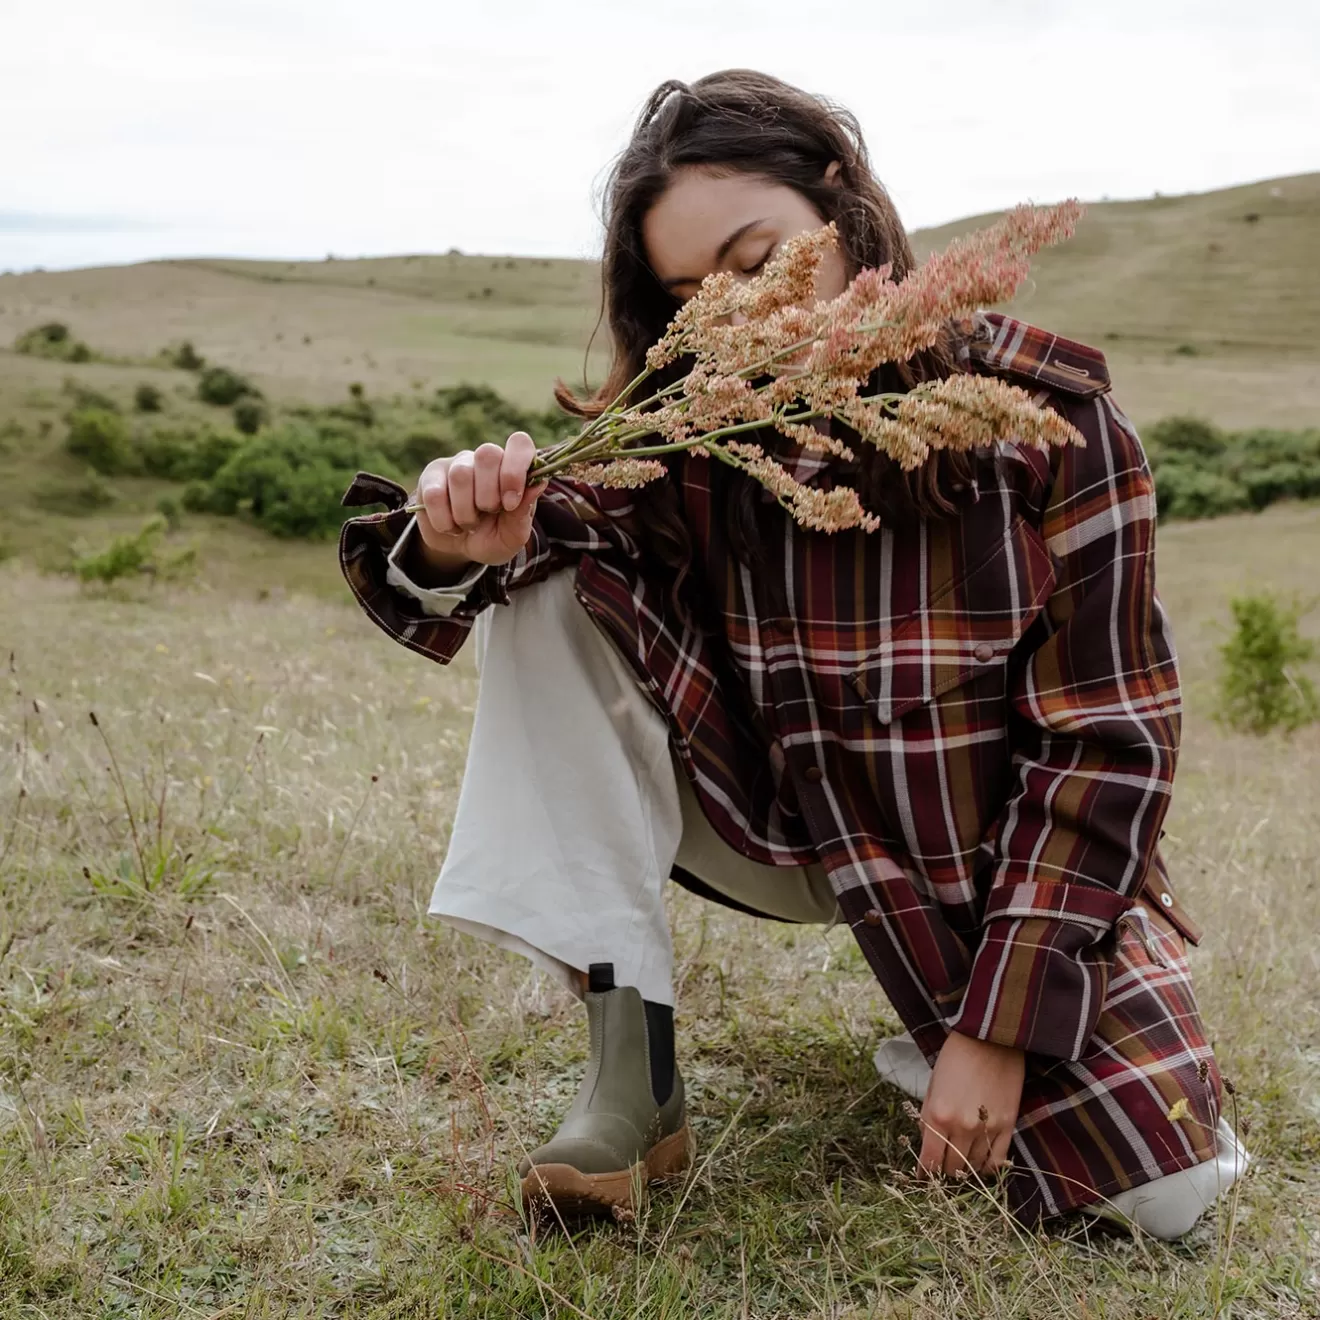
540, 472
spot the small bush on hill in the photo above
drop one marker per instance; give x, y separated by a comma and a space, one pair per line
184, 356
52, 340
1183, 436
102, 438
83, 396
171, 510
222, 387
135, 554
147, 398
249, 415
290, 479
1182, 491
1201, 471
185, 454
1261, 683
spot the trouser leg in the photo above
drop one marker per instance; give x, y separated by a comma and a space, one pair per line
572, 813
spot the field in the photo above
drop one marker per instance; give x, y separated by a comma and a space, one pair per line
242, 1075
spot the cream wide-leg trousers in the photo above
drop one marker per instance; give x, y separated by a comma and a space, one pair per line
573, 811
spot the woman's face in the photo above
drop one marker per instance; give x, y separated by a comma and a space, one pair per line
705, 222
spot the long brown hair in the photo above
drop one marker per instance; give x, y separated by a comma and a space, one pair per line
740, 121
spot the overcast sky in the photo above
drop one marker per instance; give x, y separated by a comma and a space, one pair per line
138, 128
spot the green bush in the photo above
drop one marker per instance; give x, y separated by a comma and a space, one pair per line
1182, 491
185, 454
147, 398
171, 510
102, 438
1184, 436
52, 340
124, 556
1261, 683
1281, 481
290, 480
412, 451
184, 356
222, 387
249, 416
83, 396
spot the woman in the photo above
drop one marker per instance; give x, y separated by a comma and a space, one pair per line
957, 734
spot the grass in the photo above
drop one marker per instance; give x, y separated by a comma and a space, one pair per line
241, 1074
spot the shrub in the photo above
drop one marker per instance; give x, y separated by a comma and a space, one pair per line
147, 398
249, 415
85, 496
413, 451
185, 454
291, 480
1185, 435
222, 387
83, 396
52, 340
171, 510
1261, 684
125, 555
184, 356
1279, 481
1182, 491
101, 438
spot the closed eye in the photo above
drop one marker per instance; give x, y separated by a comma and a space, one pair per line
752, 270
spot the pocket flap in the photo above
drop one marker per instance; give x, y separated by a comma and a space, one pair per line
967, 627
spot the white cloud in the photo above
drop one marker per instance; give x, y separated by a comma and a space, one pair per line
292, 127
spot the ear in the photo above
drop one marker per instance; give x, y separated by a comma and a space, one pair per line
832, 171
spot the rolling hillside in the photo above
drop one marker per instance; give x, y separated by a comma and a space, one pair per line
1207, 303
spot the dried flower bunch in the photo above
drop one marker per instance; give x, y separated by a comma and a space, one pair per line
764, 353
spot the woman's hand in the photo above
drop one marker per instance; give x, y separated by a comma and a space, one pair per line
477, 506
971, 1106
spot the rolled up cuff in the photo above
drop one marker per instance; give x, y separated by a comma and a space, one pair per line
1039, 979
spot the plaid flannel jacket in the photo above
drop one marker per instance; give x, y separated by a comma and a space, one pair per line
971, 722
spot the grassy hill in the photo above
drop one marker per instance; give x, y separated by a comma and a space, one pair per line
1208, 302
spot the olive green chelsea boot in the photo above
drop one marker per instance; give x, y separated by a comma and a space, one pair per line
617, 1138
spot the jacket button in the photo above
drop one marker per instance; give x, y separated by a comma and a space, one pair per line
784, 627
1167, 899
872, 917
984, 651
813, 774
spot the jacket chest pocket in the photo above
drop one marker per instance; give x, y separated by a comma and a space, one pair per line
965, 629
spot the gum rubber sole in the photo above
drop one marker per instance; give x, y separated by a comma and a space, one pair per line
562, 1188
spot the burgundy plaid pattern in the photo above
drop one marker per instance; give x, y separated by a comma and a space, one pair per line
971, 722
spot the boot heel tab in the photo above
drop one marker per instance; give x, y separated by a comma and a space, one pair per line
600, 978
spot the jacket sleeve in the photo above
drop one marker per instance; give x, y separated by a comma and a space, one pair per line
1097, 712
572, 520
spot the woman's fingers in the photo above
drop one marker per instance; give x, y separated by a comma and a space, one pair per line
517, 456
959, 1150
933, 1145
486, 463
433, 495
999, 1148
955, 1150
462, 490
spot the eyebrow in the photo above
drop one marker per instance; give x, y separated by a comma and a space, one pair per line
720, 255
